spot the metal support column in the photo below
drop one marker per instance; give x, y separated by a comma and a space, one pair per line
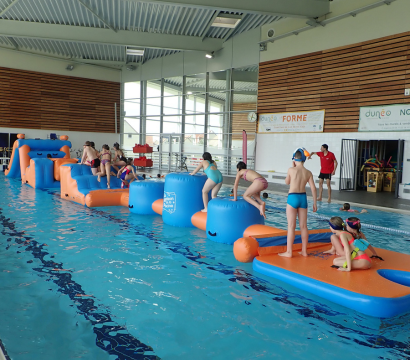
143, 112
183, 114
227, 123
206, 123
161, 123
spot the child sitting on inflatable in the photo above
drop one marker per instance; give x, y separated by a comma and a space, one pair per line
346, 207
253, 193
214, 181
353, 249
353, 226
127, 173
298, 177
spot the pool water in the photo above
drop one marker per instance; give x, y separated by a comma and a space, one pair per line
81, 283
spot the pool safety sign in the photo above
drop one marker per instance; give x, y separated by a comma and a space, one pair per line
385, 118
305, 122
170, 202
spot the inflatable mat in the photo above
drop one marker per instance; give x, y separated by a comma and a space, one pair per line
381, 291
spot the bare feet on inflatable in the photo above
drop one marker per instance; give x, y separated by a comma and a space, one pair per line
303, 253
262, 210
113, 173
204, 210
319, 199
99, 178
331, 252
286, 254
329, 201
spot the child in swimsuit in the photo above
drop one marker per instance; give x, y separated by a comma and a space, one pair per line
127, 173
346, 207
90, 154
105, 164
353, 226
298, 177
119, 159
214, 181
253, 193
353, 258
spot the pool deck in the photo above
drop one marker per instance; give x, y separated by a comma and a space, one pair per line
384, 201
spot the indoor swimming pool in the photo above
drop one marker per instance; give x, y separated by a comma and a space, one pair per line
103, 283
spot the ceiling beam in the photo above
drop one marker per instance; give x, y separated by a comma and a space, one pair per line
105, 22
214, 16
25, 29
287, 8
7, 8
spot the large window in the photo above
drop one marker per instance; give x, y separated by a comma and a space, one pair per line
204, 107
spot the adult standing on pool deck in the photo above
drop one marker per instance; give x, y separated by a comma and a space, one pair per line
328, 166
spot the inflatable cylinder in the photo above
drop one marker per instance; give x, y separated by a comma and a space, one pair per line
143, 194
182, 198
227, 220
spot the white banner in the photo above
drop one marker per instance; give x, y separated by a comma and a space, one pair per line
306, 121
385, 118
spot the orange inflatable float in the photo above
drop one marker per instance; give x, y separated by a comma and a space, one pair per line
381, 291
79, 185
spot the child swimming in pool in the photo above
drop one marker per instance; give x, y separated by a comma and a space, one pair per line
298, 177
214, 181
127, 173
346, 207
353, 226
253, 193
353, 258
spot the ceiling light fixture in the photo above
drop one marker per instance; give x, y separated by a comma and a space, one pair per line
131, 67
226, 22
209, 55
135, 51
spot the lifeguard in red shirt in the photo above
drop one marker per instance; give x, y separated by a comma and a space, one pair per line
328, 165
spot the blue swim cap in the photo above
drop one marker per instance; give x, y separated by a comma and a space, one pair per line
302, 151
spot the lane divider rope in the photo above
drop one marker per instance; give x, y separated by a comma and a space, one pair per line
324, 218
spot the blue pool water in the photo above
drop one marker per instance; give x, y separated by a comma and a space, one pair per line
80, 283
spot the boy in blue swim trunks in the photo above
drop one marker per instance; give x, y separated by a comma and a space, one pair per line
298, 176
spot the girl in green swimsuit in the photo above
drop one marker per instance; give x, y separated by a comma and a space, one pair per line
214, 181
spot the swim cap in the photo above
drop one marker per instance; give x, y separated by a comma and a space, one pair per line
353, 224
335, 227
304, 153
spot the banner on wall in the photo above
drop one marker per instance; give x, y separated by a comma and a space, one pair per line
305, 121
385, 118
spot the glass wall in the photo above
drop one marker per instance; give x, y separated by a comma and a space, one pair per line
191, 114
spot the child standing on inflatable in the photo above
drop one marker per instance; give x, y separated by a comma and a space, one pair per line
214, 181
127, 173
354, 255
90, 154
105, 164
298, 177
253, 193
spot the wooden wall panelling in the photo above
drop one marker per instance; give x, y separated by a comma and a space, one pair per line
240, 120
36, 100
338, 80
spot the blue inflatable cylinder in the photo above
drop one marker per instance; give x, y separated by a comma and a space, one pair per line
143, 194
182, 198
227, 220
